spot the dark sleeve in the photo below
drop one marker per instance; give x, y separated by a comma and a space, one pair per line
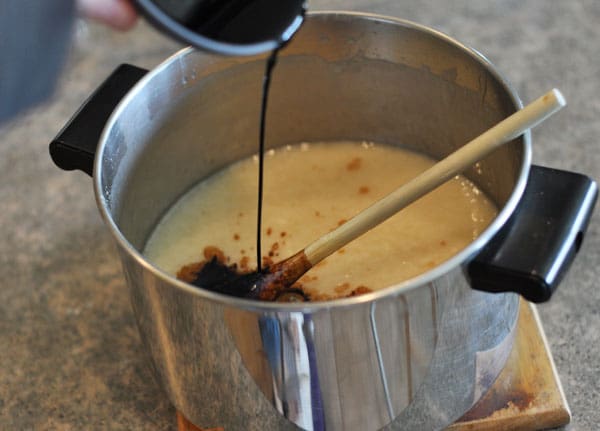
34, 40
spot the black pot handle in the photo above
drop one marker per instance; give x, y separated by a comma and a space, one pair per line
534, 249
75, 145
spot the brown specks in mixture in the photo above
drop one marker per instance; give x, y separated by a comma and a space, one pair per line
354, 164
360, 290
274, 248
342, 289
236, 236
317, 296
320, 264
212, 251
443, 243
244, 263
341, 251
188, 273
267, 261
283, 234
341, 221
307, 278
363, 190
317, 213
269, 231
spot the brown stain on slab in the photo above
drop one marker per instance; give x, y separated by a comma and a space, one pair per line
527, 394
497, 400
185, 425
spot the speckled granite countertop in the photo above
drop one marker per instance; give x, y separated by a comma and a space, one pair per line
70, 354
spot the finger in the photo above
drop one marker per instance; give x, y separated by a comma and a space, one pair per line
118, 14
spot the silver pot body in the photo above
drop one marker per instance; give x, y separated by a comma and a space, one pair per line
413, 356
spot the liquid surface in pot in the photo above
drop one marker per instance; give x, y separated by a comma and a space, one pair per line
309, 189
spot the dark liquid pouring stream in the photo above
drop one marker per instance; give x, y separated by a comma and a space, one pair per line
219, 277
271, 61
216, 275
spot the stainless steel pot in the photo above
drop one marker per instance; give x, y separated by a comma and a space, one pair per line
416, 355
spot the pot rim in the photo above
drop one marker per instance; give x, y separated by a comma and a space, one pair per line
400, 288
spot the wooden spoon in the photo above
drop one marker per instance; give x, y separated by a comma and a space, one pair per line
272, 281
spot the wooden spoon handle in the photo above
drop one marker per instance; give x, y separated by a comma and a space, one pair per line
447, 168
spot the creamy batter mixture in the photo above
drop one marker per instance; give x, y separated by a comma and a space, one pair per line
309, 189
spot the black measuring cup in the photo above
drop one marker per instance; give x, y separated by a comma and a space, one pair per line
231, 27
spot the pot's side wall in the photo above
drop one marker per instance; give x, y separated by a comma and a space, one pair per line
373, 357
